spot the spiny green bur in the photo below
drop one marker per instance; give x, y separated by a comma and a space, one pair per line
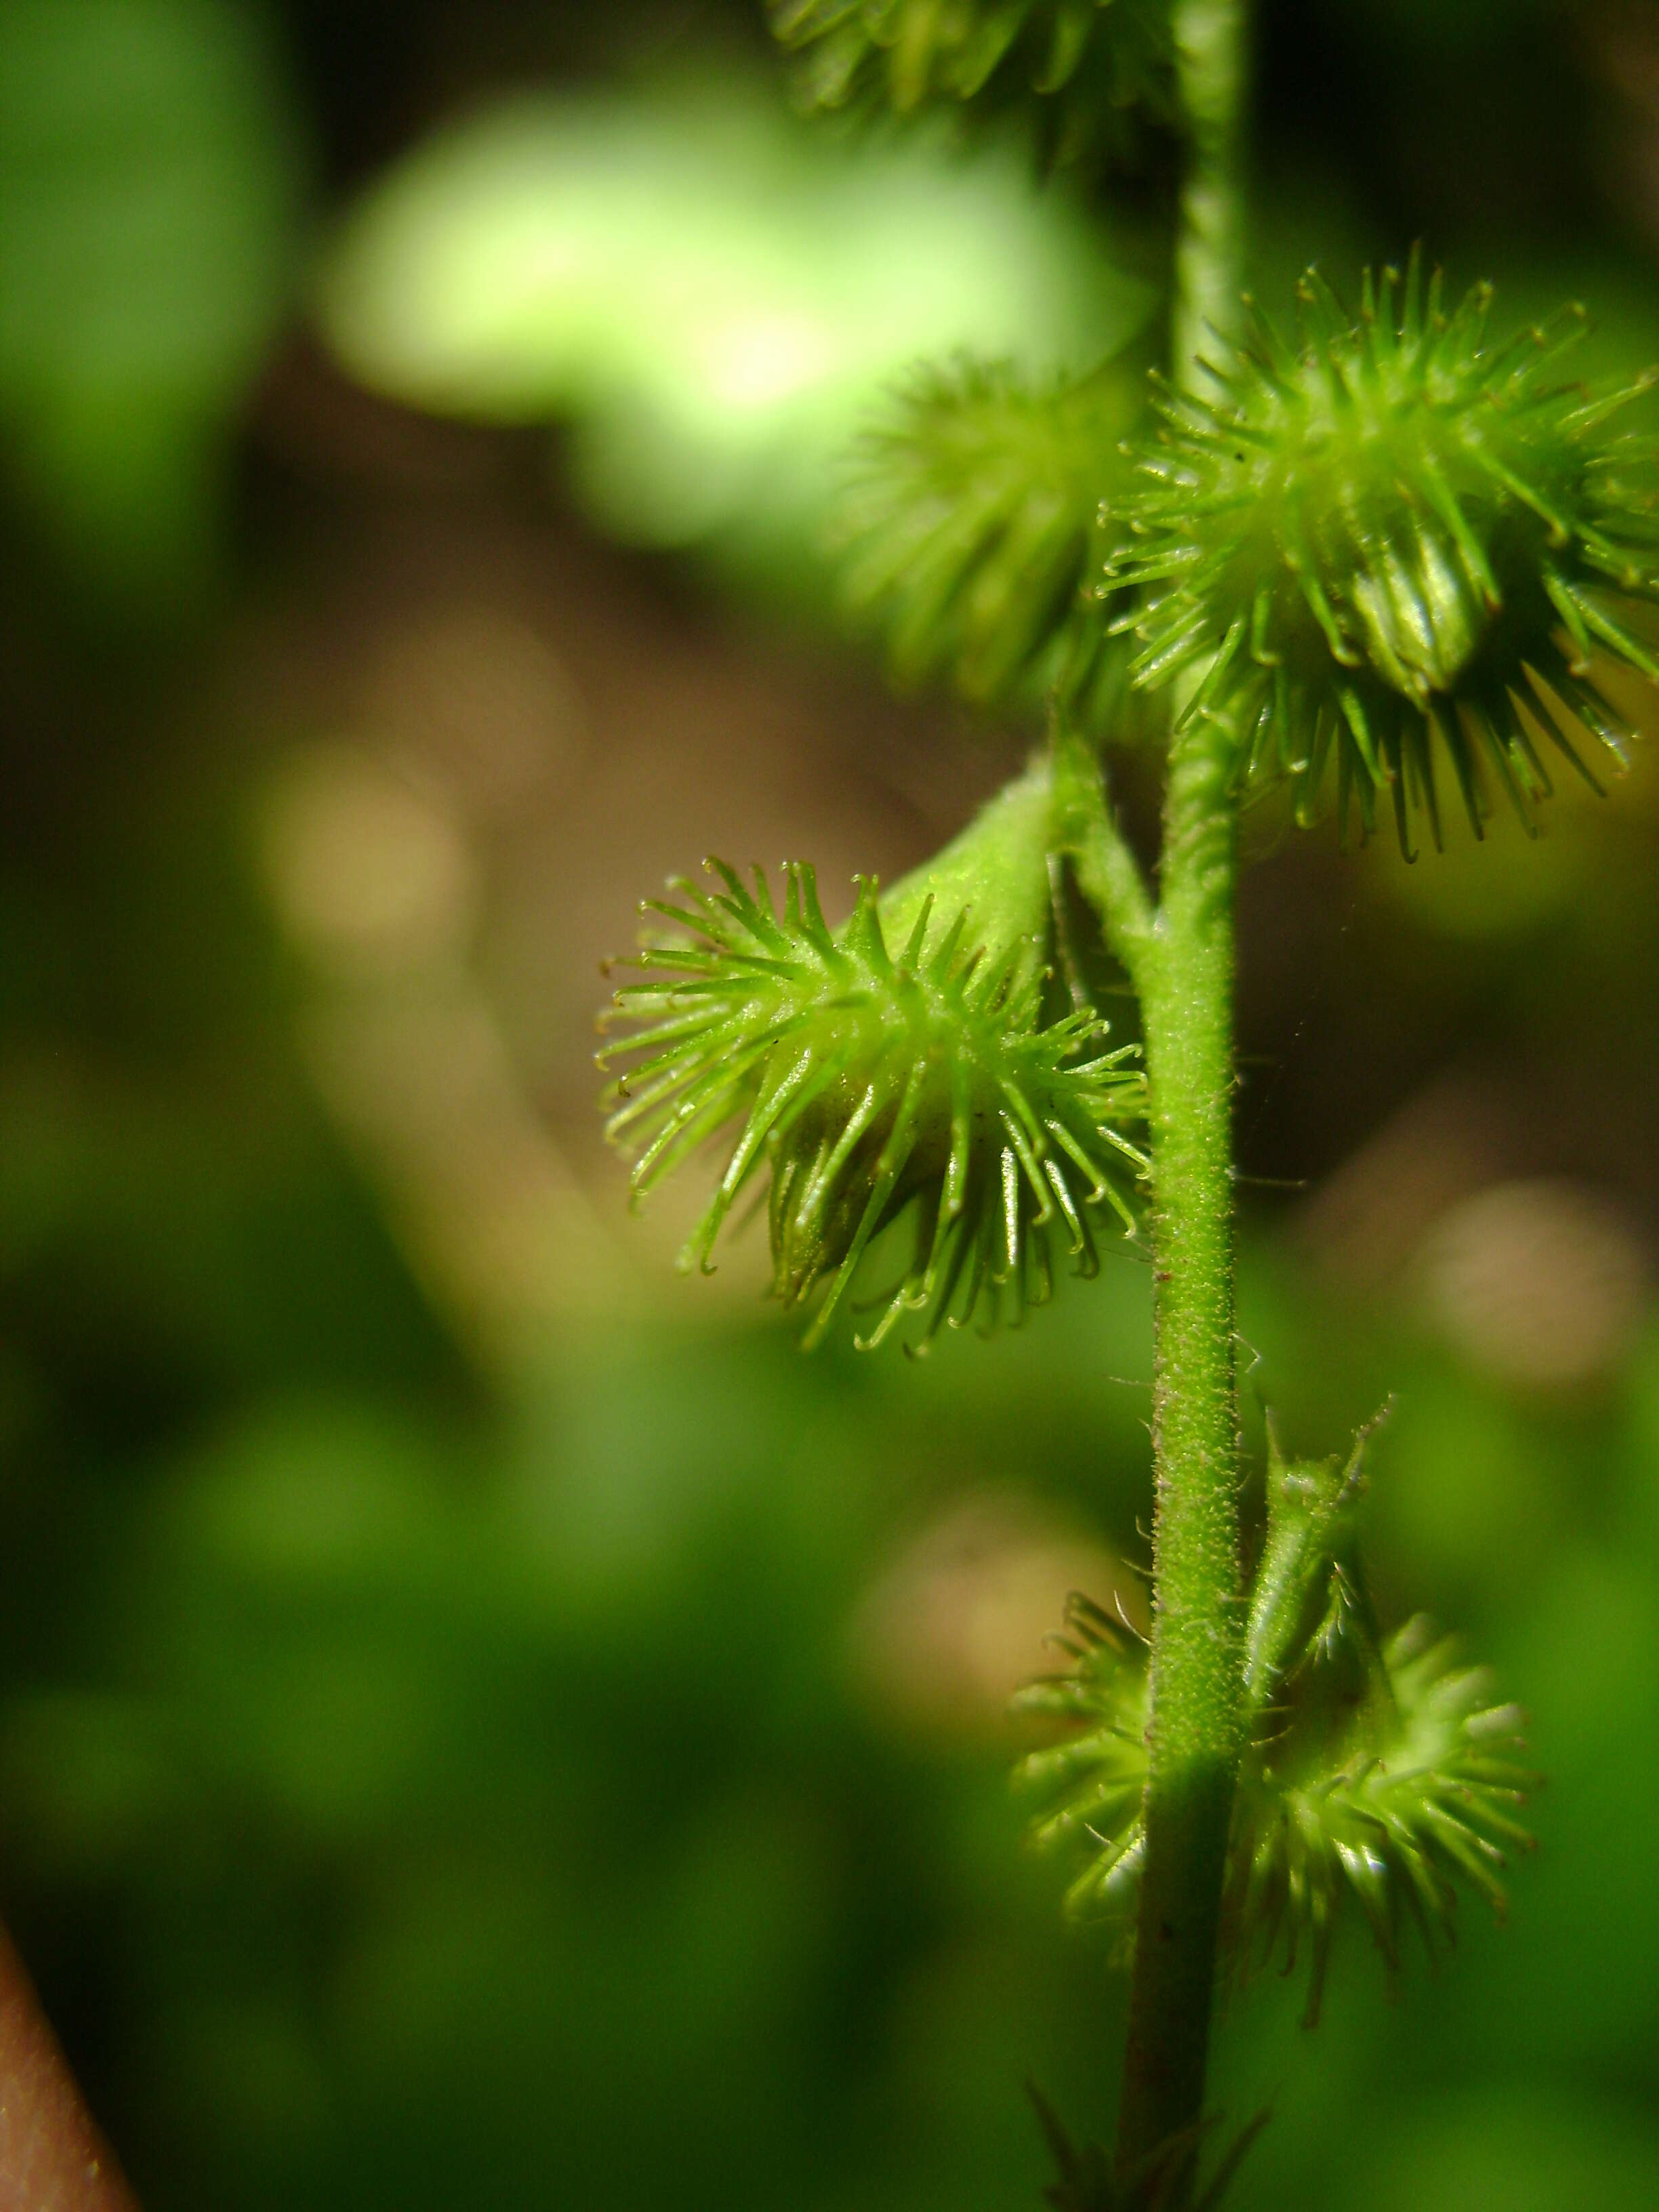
898, 1064
982, 509
1377, 1769
1395, 539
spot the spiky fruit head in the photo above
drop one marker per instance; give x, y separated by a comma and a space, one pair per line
1392, 540
1422, 1790
1378, 1770
1085, 65
900, 1063
982, 507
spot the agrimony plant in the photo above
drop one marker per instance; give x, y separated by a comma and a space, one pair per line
1383, 551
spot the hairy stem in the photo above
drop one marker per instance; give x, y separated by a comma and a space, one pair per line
1211, 71
1186, 981
1197, 1699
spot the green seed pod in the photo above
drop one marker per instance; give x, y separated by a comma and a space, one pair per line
899, 1063
1087, 66
1422, 1787
1395, 540
982, 508
1379, 1770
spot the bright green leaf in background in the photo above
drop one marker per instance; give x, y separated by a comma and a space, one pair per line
711, 293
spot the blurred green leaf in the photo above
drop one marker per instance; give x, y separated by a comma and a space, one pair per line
1517, 2153
147, 172
711, 293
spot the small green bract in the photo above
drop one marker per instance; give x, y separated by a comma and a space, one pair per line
869, 1082
1396, 539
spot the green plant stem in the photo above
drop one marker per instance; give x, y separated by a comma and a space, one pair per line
1197, 1695
1185, 977
1210, 66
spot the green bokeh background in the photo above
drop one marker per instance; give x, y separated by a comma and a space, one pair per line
484, 1722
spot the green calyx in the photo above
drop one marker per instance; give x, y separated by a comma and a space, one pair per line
897, 1065
982, 507
1379, 1770
1394, 542
1086, 65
